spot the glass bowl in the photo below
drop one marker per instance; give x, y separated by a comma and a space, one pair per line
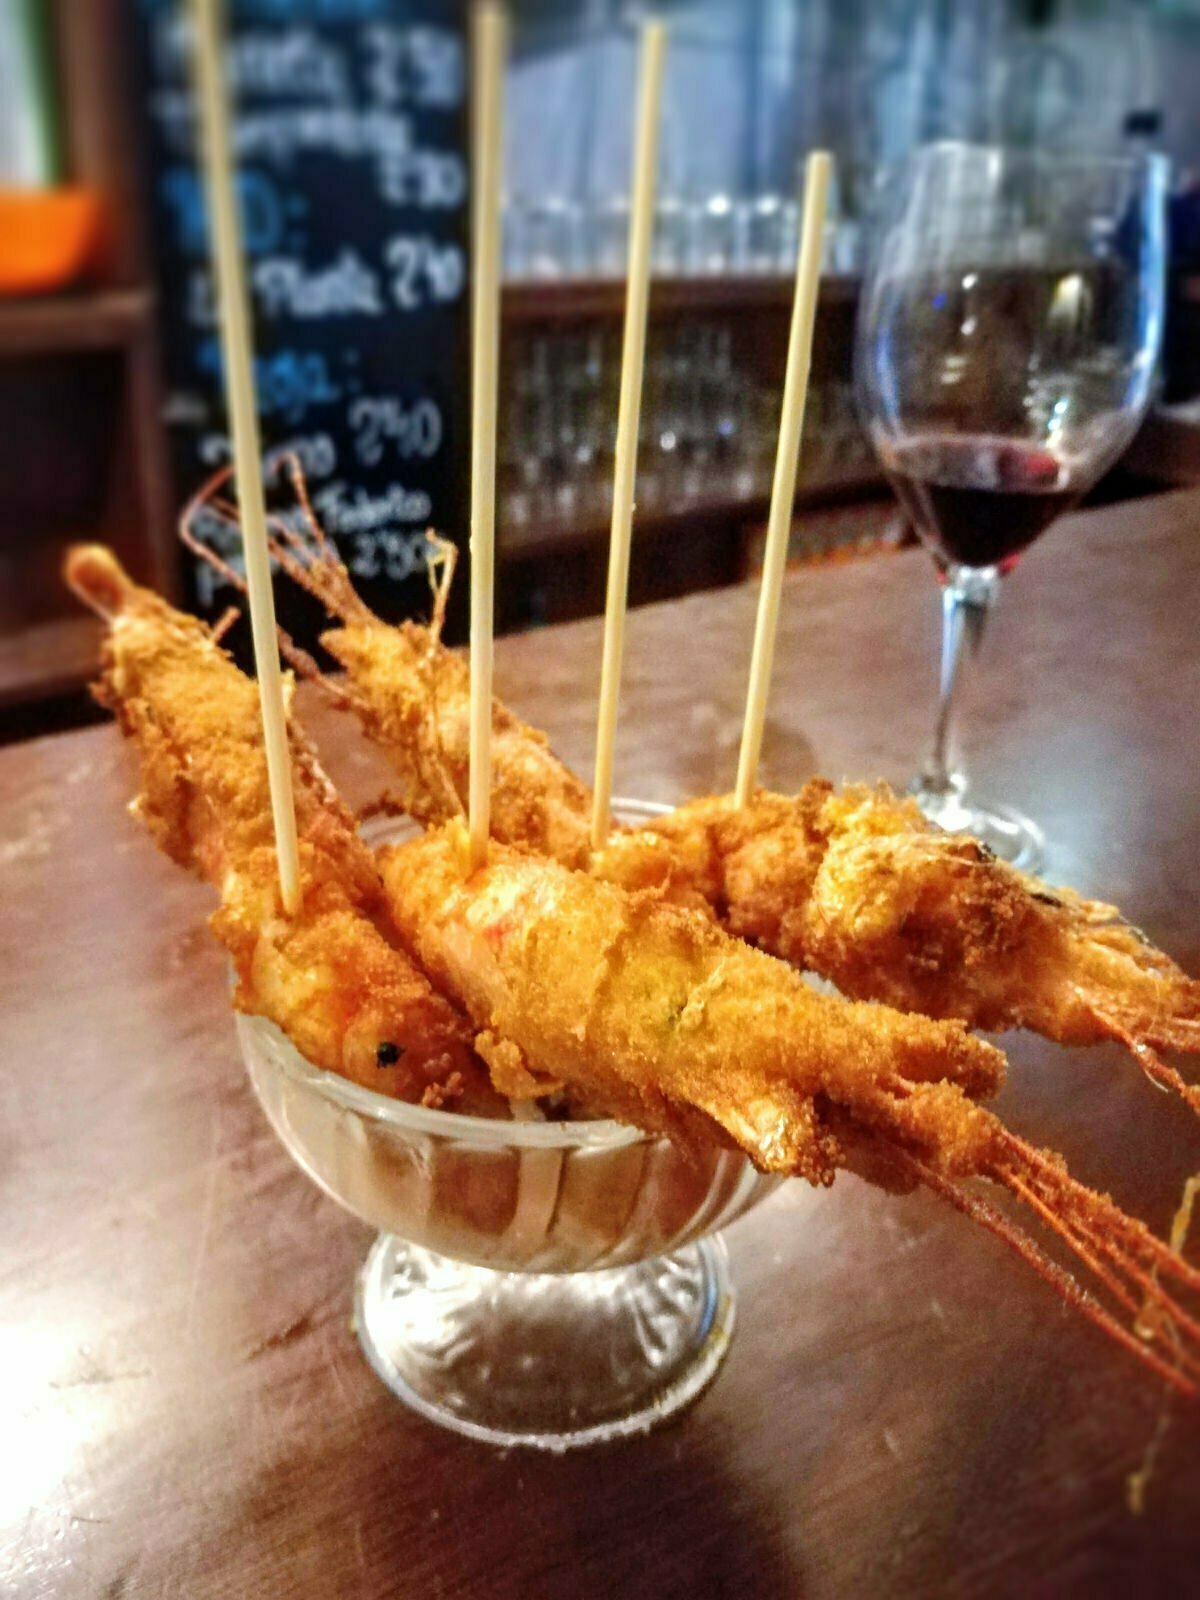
551, 1284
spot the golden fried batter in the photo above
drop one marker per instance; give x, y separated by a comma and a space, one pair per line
412, 697
648, 1011
854, 885
857, 885
347, 999
636, 1006
413, 702
652, 1012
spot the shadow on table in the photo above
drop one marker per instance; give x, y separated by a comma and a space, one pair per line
410, 1511
665, 1515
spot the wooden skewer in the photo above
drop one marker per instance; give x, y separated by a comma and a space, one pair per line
490, 42
787, 458
236, 349
633, 357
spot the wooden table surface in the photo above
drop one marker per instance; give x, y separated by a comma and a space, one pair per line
183, 1407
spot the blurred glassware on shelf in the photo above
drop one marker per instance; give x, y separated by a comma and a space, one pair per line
844, 257
670, 255
608, 237
721, 234
707, 432
789, 236
513, 252
713, 232
831, 534
545, 239
765, 235
741, 212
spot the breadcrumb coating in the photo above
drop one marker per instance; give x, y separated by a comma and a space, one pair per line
327, 976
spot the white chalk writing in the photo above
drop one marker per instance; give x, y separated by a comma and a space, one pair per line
382, 420
343, 514
423, 270
285, 287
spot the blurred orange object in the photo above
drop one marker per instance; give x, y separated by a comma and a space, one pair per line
47, 237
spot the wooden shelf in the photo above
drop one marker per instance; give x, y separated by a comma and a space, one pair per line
48, 659
102, 319
578, 299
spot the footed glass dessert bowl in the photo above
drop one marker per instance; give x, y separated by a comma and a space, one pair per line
548, 1284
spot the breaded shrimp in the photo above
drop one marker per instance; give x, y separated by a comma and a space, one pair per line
348, 1000
412, 695
652, 1013
856, 886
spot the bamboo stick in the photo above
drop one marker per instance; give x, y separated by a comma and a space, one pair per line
236, 354
490, 48
633, 356
787, 458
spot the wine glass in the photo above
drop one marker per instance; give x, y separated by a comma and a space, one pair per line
1007, 335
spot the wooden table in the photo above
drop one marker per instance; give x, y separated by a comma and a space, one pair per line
183, 1407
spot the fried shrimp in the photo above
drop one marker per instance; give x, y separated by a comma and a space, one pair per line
348, 1000
650, 1012
412, 695
858, 886
632, 998
855, 885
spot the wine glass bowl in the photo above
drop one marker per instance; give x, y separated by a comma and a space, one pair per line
547, 1283
1007, 337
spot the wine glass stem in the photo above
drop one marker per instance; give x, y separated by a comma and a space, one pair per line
967, 597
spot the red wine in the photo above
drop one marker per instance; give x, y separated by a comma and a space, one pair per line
979, 501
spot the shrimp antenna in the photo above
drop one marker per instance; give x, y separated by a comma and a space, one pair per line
443, 561
309, 557
1157, 1070
208, 498
1121, 1254
1182, 1373
310, 560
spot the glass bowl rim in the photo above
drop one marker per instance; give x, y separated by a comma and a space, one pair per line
265, 1040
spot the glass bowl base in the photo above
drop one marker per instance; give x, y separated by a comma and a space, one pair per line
547, 1361
1006, 831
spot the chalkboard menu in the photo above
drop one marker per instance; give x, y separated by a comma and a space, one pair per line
349, 130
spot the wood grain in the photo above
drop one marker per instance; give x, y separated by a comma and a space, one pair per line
574, 299
183, 1408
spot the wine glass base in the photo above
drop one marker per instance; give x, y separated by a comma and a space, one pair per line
548, 1361
1011, 835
